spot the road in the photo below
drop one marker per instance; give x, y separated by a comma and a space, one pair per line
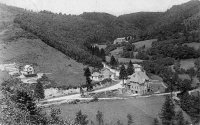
78, 96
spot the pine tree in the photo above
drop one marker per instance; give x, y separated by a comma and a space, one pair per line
179, 118
99, 118
87, 74
103, 55
39, 90
113, 61
130, 69
167, 111
81, 119
123, 73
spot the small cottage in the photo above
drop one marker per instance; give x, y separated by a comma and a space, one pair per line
28, 70
106, 74
96, 76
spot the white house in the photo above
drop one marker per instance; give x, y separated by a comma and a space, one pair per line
120, 40
28, 70
137, 67
96, 76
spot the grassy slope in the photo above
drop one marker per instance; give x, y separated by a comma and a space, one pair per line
142, 109
187, 63
195, 45
146, 43
22, 50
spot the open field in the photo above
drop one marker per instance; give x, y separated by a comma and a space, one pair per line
146, 43
29, 50
187, 63
125, 60
143, 110
193, 44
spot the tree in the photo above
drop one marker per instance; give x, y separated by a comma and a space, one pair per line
19, 106
184, 85
167, 111
103, 55
113, 61
39, 90
123, 73
87, 74
81, 119
142, 55
130, 119
99, 118
130, 69
179, 118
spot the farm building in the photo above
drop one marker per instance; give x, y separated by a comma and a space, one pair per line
106, 73
120, 40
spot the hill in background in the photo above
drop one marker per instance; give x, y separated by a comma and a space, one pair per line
23, 47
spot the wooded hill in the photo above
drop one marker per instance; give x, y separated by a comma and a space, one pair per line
68, 33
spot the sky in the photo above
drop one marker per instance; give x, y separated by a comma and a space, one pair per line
115, 7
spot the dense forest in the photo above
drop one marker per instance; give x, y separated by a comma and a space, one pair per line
69, 33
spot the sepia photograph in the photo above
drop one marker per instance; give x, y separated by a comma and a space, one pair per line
99, 62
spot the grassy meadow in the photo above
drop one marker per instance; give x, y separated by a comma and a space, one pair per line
143, 110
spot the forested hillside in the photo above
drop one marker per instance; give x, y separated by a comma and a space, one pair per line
175, 20
68, 33
142, 20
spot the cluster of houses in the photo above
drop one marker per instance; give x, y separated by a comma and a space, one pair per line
137, 83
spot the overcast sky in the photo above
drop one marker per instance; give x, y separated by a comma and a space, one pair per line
115, 7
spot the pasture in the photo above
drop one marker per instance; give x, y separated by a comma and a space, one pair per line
193, 44
125, 60
143, 110
146, 43
187, 63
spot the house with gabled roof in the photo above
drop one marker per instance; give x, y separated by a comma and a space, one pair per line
106, 73
138, 83
120, 40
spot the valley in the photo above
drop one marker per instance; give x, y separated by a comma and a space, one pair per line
95, 68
